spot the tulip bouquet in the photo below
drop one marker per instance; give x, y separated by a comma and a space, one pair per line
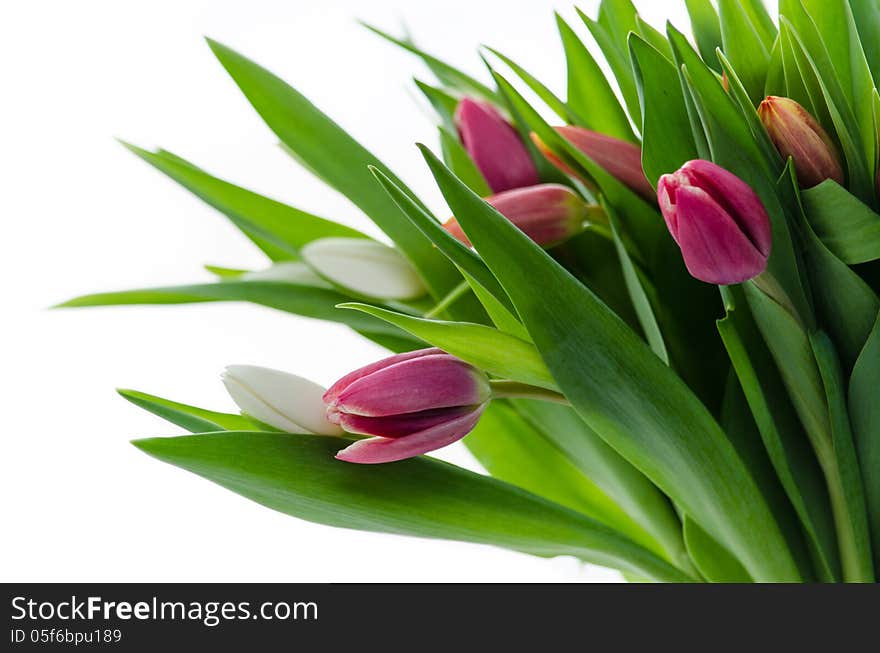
653, 318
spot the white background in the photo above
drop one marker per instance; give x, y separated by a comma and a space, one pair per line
80, 214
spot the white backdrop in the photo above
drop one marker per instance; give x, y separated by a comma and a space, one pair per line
81, 214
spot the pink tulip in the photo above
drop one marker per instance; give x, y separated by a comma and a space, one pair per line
495, 146
414, 403
547, 213
718, 222
621, 159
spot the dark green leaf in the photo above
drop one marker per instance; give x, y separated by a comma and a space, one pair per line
783, 438
864, 410
297, 475
847, 227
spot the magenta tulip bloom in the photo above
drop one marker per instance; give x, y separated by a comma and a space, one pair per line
621, 159
495, 146
414, 403
718, 222
547, 213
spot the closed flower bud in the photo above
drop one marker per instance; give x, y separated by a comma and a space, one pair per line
365, 267
285, 401
718, 222
286, 272
547, 213
495, 146
796, 134
413, 403
621, 159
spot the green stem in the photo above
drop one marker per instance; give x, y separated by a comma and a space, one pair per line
453, 296
856, 567
517, 390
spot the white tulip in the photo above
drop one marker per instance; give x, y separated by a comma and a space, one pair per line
365, 267
289, 271
285, 401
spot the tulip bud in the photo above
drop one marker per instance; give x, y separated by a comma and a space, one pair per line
547, 213
718, 222
621, 159
414, 403
285, 401
796, 134
495, 146
365, 267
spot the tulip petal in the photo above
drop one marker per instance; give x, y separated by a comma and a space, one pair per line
713, 246
494, 146
285, 401
397, 426
621, 159
417, 384
386, 450
734, 195
364, 266
333, 392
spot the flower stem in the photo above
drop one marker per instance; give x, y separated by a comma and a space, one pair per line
453, 296
515, 389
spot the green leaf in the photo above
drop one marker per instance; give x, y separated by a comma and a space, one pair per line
748, 54
616, 477
589, 93
667, 141
618, 60
309, 301
783, 437
545, 94
864, 410
845, 483
513, 451
866, 16
715, 563
297, 475
650, 417
191, 418
761, 20
463, 257
458, 160
447, 74
444, 103
847, 227
706, 27
335, 157
498, 312
636, 284
489, 349
277, 229
810, 50
834, 22
845, 304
